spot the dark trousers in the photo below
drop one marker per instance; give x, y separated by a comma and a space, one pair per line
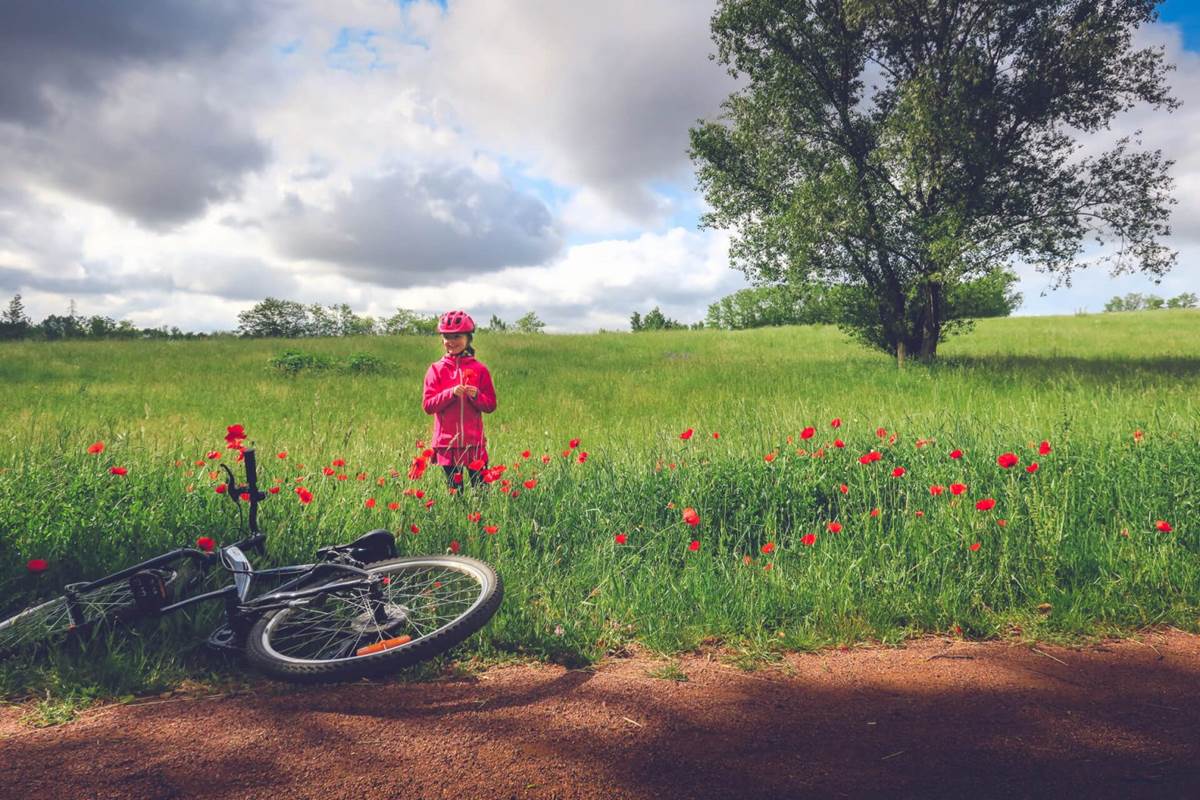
474, 475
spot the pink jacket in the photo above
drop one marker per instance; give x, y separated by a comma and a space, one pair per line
458, 421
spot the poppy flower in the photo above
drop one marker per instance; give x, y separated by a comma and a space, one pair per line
429, 503
1138, 435
691, 517
986, 504
1163, 526
956, 454
212, 455
1002, 522
874, 513
529, 484
206, 544
807, 433
844, 489
1007, 460
975, 547
545, 459
957, 488
935, 490
342, 477
235, 432
694, 546
244, 497
96, 448
746, 560
477, 465
836, 422
881, 432
1032, 468
808, 539
457, 478
918, 514
362, 476
838, 443
686, 434
1044, 448
455, 546
219, 488
716, 435
490, 529
339, 462
200, 463
281, 455
871, 457
583, 457
414, 529
768, 548
393, 506
769, 457
834, 527
898, 472
118, 471
474, 516
525, 454
573, 444
305, 495
36, 565
419, 494
274, 490
370, 502
328, 470
619, 538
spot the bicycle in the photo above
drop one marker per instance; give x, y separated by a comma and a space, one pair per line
357, 611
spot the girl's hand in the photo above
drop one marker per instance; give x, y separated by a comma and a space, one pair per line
460, 390
472, 391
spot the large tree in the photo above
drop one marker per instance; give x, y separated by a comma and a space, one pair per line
904, 147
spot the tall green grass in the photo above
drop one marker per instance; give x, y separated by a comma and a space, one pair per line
1084, 384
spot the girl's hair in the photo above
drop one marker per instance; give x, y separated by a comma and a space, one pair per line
469, 350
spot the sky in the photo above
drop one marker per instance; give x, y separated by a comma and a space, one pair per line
173, 162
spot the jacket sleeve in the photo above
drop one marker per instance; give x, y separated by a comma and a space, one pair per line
485, 400
435, 400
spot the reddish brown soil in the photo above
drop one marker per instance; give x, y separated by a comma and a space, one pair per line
938, 718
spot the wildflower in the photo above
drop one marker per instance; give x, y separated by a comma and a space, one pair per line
1163, 526
807, 433
716, 435
870, 457
362, 476
768, 548
490, 529
419, 494
573, 443
429, 503
1007, 460
529, 484
274, 490
36, 565
936, 489
918, 514
694, 546
975, 547
808, 539
339, 462
244, 497
957, 488
834, 527
691, 517
1138, 435
393, 506
686, 434
898, 472
118, 471
525, 454
1032, 468
1001, 522
583, 457
212, 455
836, 422
305, 495
476, 465
234, 432
414, 529
838, 443
426, 453
566, 453
619, 538
199, 463
370, 503
769, 457
96, 449
454, 546
746, 560
342, 477
381, 481
545, 459
474, 516
844, 489
881, 432
1044, 448
768, 567
956, 454
986, 504
281, 455
206, 544
457, 478
874, 513
327, 470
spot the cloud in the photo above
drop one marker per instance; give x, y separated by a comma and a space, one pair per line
406, 227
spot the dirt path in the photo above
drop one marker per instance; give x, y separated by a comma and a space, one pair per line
938, 718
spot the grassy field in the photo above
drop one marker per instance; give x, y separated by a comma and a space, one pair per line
1115, 396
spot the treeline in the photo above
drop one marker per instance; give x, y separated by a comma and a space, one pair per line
288, 319
1150, 302
16, 324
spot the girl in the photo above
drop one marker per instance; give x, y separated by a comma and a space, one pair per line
458, 392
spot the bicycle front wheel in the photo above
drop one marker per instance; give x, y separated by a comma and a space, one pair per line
427, 605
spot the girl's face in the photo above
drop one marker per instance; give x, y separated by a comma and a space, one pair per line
454, 343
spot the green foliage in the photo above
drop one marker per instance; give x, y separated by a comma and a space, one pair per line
496, 325
529, 324
406, 322
899, 152
1135, 301
293, 362
654, 320
364, 363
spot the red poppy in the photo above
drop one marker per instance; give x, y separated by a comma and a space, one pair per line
1163, 526
219, 488
206, 544
342, 477
583, 457
1138, 435
808, 539
281, 454
694, 546
573, 443
213, 455
918, 514
244, 497
477, 465
838, 443
768, 548
413, 528
362, 476
844, 489
525, 454
1044, 448
807, 433
545, 459
898, 472
956, 453
686, 434
566, 453
490, 529
474, 516
1032, 468
429, 503
235, 432
328, 470
457, 478
305, 495
370, 502
935, 490
426, 453
769, 457
274, 490
419, 494
836, 422
393, 506
768, 567
871, 457
118, 471
881, 432
200, 463
454, 546
974, 547
834, 527
986, 504
1007, 460
957, 488
691, 517
874, 512
339, 462
529, 484
97, 448
36, 565
1001, 522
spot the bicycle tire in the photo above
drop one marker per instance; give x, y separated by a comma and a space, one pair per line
51, 619
319, 642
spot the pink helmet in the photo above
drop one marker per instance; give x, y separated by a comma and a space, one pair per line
456, 322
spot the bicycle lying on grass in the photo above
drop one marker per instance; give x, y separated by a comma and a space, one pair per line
358, 611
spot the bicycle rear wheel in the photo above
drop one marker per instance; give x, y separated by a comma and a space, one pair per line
431, 604
52, 619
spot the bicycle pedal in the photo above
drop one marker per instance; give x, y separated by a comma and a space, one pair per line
149, 591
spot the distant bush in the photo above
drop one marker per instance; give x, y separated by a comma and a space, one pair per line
364, 363
293, 362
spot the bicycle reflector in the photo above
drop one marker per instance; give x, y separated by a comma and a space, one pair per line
386, 644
